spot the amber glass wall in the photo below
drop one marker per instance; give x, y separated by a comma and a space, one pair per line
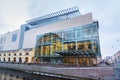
77, 38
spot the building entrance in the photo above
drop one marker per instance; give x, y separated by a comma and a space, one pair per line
20, 60
26, 59
14, 60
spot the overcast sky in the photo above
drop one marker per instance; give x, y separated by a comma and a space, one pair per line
13, 13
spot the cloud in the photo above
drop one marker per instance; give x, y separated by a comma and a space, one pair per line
13, 14
38, 8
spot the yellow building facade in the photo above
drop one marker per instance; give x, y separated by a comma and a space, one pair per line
18, 56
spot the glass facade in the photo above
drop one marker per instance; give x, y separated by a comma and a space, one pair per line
14, 37
77, 38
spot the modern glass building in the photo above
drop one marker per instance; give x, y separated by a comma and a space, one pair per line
80, 42
65, 36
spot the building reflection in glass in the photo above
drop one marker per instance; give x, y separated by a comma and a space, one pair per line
81, 38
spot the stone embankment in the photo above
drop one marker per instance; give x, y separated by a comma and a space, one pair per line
96, 73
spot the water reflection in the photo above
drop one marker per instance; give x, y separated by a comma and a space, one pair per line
17, 75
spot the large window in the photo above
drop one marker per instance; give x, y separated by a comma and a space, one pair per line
14, 37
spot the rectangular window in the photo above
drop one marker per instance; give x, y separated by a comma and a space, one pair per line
14, 37
4, 40
1, 40
1, 48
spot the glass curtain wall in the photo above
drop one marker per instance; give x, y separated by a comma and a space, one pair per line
78, 38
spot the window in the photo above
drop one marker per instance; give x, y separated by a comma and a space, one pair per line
9, 59
27, 53
87, 31
14, 60
9, 54
14, 37
89, 46
1, 47
4, 54
81, 47
4, 40
3, 59
20, 54
71, 46
118, 57
14, 54
26, 59
1, 40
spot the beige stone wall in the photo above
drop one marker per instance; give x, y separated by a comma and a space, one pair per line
7, 43
24, 54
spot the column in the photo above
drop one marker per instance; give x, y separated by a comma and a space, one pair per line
62, 41
51, 45
41, 48
41, 51
93, 45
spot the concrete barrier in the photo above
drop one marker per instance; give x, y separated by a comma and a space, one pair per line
106, 73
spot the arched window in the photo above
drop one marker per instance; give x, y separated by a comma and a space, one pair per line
26, 59
27, 53
9, 59
20, 54
14, 59
20, 60
32, 59
9, 54
14, 54
3, 59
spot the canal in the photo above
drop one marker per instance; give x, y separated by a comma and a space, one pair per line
6, 74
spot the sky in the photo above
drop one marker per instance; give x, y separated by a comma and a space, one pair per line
14, 13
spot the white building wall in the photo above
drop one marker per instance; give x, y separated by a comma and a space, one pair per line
7, 43
30, 35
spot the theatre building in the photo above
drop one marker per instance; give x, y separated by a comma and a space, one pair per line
79, 44
62, 37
